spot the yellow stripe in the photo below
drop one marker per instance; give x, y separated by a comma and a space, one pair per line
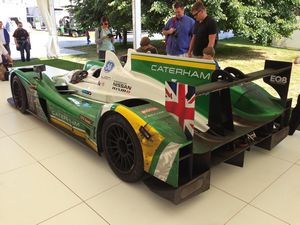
79, 133
91, 144
148, 146
75, 131
60, 123
175, 62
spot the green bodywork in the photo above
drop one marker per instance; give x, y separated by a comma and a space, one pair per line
89, 64
254, 103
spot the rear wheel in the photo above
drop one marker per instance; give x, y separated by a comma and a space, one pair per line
19, 94
122, 148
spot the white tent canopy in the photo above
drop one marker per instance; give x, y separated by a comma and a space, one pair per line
47, 10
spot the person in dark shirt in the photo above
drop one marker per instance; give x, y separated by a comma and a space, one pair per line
88, 37
146, 46
22, 41
205, 30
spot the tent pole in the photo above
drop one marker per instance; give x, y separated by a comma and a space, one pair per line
136, 19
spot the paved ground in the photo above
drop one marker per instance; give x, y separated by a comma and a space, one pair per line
39, 42
48, 178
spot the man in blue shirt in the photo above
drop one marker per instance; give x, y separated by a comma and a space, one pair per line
178, 32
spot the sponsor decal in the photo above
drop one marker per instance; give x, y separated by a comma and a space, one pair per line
34, 103
65, 118
86, 92
180, 101
106, 77
153, 114
180, 71
166, 160
109, 66
278, 80
86, 120
121, 87
148, 110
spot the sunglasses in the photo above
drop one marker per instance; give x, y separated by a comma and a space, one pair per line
195, 14
105, 23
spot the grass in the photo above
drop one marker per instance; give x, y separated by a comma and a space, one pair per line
248, 58
59, 63
91, 54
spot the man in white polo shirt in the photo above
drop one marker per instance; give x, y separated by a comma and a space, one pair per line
3, 69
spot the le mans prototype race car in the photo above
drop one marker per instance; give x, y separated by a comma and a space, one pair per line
164, 120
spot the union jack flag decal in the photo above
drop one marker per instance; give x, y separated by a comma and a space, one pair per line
180, 101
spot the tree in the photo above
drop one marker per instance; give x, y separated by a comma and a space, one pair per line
120, 14
89, 12
260, 21
257, 20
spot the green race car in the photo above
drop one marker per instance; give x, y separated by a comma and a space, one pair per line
164, 120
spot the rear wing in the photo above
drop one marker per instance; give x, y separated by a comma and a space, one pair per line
276, 73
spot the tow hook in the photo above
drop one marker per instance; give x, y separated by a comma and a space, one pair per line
144, 132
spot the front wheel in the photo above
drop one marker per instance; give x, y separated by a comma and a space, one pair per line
122, 148
75, 34
19, 94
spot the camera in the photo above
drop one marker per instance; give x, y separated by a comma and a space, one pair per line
175, 33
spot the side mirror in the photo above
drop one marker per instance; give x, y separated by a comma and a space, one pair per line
39, 69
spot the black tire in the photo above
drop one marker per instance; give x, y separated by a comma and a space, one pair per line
122, 148
19, 94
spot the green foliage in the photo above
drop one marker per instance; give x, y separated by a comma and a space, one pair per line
58, 63
260, 21
87, 13
257, 20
